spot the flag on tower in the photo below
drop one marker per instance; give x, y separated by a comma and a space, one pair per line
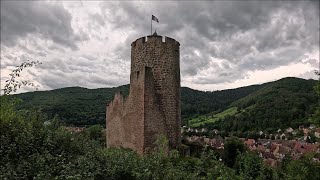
155, 19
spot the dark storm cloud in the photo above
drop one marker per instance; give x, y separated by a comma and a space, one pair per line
51, 21
247, 36
221, 41
60, 79
85, 70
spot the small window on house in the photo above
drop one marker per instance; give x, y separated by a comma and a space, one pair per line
138, 74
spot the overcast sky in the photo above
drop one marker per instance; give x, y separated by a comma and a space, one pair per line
223, 44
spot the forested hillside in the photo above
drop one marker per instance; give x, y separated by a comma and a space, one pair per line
196, 103
74, 105
285, 102
288, 102
81, 106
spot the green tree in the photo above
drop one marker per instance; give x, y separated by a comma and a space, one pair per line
97, 133
232, 148
315, 118
248, 165
304, 168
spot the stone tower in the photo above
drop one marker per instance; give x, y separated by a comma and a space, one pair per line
153, 105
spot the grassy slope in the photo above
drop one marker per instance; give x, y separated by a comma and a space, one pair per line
195, 122
288, 102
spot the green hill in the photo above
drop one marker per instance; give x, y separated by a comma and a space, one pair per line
81, 106
208, 118
74, 105
280, 103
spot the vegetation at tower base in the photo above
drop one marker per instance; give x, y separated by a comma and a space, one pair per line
35, 147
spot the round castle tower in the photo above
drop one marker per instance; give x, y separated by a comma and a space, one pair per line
162, 55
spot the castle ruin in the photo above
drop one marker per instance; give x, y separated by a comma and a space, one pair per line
152, 107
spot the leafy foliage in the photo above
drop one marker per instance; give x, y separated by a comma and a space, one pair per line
248, 165
315, 118
35, 147
13, 84
232, 148
304, 168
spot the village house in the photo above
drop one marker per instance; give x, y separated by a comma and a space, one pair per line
215, 131
283, 137
312, 126
305, 131
250, 143
289, 130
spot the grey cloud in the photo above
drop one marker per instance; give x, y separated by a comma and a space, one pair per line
83, 70
97, 18
309, 75
89, 56
57, 65
313, 62
58, 79
54, 47
267, 61
19, 19
42, 54
232, 38
9, 57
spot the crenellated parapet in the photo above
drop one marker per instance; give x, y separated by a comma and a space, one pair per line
163, 39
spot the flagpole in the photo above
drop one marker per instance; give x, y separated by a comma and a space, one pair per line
151, 26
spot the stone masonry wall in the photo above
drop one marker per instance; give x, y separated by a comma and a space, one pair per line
125, 118
154, 122
153, 105
163, 58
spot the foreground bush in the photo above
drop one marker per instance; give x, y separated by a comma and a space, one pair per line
33, 147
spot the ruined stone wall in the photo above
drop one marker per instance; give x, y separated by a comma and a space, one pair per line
162, 56
125, 118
